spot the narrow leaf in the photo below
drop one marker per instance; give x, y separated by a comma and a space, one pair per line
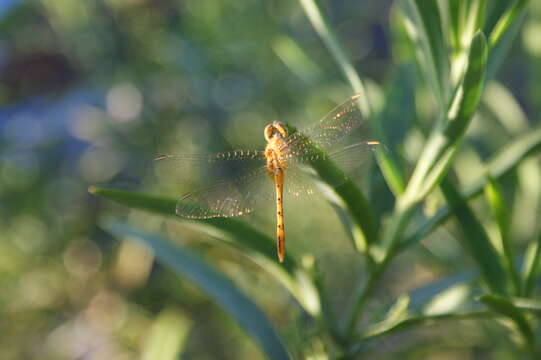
442, 144
167, 336
500, 165
467, 97
500, 49
363, 226
505, 21
476, 240
498, 8
433, 26
376, 330
388, 167
240, 234
456, 21
396, 315
496, 202
527, 304
506, 308
252, 243
410, 311
422, 296
531, 266
423, 24
209, 280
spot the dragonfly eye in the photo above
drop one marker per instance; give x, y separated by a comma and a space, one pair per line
272, 129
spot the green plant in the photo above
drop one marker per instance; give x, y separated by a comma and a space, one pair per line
456, 61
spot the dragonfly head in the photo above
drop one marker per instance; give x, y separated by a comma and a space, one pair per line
274, 129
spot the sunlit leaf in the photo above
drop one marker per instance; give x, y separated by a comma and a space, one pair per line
506, 308
388, 167
221, 289
422, 21
476, 240
252, 243
500, 165
531, 266
167, 336
496, 201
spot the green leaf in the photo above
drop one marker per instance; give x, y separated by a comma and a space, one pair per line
503, 26
527, 304
430, 169
467, 97
531, 268
363, 227
476, 240
388, 167
320, 24
466, 17
479, 12
209, 280
470, 15
496, 202
442, 144
499, 50
497, 9
457, 18
377, 330
236, 232
505, 20
506, 308
422, 21
350, 198
435, 302
500, 165
394, 317
399, 104
167, 336
252, 243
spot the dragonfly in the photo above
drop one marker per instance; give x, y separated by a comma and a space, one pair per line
254, 177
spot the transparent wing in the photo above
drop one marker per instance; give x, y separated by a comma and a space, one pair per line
226, 156
304, 145
354, 156
184, 168
235, 197
235, 182
333, 127
301, 179
315, 143
240, 194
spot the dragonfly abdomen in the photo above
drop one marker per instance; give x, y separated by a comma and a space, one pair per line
280, 230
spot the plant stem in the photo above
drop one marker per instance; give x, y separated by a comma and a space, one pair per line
400, 220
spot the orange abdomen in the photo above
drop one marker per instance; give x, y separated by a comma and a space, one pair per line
280, 231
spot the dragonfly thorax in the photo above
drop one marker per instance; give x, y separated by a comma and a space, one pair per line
275, 134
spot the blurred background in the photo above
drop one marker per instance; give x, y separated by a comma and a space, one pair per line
92, 91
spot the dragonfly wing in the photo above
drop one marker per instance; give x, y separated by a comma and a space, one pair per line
235, 197
348, 159
300, 181
194, 167
315, 143
353, 157
333, 127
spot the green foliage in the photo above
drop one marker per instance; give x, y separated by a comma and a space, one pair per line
456, 106
221, 289
424, 26
193, 76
